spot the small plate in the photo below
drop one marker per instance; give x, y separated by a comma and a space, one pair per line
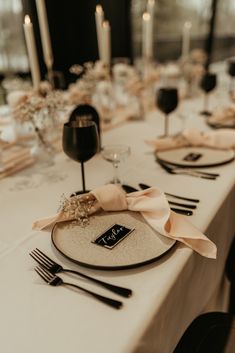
220, 125
142, 246
198, 157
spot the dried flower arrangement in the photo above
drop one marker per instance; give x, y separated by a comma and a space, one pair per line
90, 74
40, 109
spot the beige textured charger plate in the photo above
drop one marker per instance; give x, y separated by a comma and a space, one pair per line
209, 157
142, 246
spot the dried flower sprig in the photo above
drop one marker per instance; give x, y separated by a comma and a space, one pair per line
41, 109
78, 208
76, 69
89, 75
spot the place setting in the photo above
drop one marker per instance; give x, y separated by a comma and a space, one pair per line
117, 153
116, 227
110, 229
222, 119
191, 150
107, 228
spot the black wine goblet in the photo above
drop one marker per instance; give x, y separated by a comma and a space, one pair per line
231, 72
207, 84
167, 101
80, 143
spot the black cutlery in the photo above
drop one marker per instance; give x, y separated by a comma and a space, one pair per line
145, 186
54, 280
192, 207
181, 197
182, 211
128, 188
53, 267
187, 171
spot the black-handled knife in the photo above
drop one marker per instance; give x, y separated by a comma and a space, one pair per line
145, 186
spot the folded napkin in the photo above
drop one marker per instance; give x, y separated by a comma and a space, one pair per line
219, 139
14, 158
224, 118
153, 206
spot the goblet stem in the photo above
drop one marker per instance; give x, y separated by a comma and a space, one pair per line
166, 125
205, 102
83, 178
231, 86
116, 179
205, 112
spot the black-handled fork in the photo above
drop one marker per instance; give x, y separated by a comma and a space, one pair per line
54, 268
54, 280
187, 171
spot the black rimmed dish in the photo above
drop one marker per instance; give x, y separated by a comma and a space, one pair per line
141, 246
195, 157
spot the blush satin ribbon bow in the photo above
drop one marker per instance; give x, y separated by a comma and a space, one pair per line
219, 139
153, 206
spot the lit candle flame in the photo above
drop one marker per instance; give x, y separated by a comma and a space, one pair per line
146, 16
99, 9
27, 20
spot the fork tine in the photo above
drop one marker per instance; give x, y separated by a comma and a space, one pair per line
39, 259
45, 257
47, 276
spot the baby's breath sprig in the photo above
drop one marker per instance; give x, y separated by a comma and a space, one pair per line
77, 208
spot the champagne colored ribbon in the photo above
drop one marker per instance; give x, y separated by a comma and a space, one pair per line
219, 139
153, 206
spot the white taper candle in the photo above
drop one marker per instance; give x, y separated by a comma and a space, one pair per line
186, 38
99, 18
146, 36
151, 10
32, 52
106, 47
45, 34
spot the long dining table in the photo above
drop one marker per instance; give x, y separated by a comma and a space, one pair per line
167, 294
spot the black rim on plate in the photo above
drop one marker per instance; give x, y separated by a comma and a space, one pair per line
184, 165
220, 126
110, 268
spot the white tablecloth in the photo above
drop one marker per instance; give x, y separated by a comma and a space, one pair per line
168, 294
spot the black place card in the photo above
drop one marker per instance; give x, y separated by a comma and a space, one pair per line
192, 157
112, 236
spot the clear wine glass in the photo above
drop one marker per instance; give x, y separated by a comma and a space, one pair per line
115, 154
167, 101
231, 72
80, 143
207, 84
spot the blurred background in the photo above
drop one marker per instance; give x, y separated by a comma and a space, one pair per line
73, 33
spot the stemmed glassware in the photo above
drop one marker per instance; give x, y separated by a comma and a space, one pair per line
207, 84
167, 101
115, 154
80, 143
231, 72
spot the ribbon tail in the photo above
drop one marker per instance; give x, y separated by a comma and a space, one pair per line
182, 230
48, 223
